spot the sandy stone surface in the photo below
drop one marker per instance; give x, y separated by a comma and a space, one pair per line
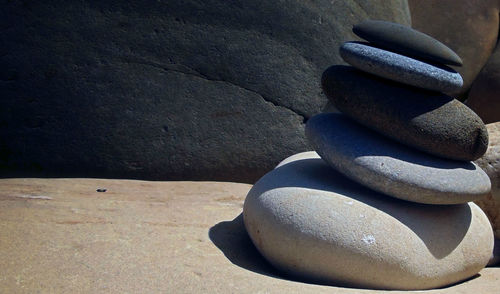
61, 236
490, 163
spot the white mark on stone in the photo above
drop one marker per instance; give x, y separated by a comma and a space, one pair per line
348, 202
368, 239
361, 216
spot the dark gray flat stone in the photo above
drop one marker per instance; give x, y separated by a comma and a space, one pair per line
427, 120
391, 168
400, 68
405, 40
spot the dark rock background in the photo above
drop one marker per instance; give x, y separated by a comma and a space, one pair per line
470, 28
166, 90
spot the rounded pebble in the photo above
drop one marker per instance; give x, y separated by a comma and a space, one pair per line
391, 168
312, 223
426, 120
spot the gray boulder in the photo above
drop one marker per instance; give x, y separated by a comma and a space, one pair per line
212, 90
315, 225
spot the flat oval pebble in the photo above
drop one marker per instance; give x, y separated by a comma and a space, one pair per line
400, 68
314, 224
405, 40
427, 120
391, 168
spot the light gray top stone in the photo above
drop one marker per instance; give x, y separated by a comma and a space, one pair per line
392, 168
400, 68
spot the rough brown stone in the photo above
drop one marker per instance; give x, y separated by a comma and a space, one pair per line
484, 96
61, 236
490, 163
468, 27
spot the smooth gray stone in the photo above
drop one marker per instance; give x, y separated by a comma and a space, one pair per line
311, 222
391, 168
426, 120
405, 40
400, 68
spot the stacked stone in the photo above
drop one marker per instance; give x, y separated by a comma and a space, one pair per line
395, 210
400, 98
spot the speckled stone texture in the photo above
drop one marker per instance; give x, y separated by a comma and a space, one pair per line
405, 40
489, 205
391, 168
310, 221
490, 163
427, 120
400, 68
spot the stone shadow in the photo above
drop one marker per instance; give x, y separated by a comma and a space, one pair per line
431, 223
232, 239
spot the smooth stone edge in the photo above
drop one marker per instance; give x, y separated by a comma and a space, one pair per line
416, 71
454, 59
429, 196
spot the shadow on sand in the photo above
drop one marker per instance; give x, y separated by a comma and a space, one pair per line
232, 239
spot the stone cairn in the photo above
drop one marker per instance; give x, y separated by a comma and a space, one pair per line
385, 201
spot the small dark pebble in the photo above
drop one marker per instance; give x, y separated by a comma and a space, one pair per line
101, 190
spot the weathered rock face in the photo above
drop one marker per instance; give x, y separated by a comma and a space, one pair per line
469, 27
490, 163
484, 95
166, 90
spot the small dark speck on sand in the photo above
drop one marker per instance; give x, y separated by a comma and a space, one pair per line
101, 190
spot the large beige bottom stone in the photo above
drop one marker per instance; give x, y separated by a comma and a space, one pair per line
61, 236
312, 222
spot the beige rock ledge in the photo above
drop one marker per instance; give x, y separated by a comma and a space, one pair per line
62, 236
